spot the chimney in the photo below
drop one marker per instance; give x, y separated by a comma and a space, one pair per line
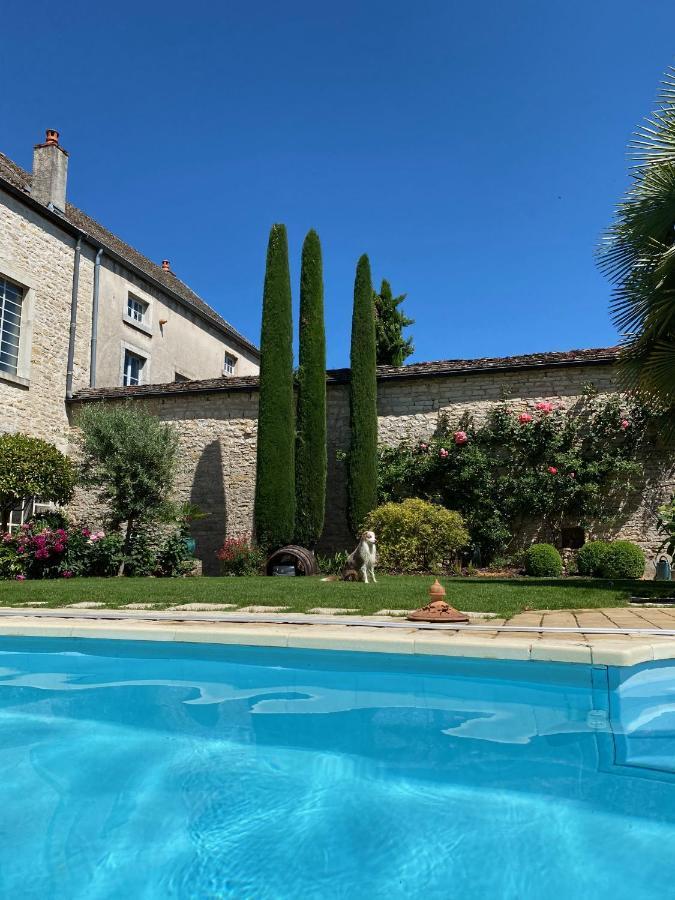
166, 265
50, 172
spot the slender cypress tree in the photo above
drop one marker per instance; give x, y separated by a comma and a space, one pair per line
392, 348
310, 453
275, 475
362, 482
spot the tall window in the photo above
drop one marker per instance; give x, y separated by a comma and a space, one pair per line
229, 364
136, 309
11, 298
133, 368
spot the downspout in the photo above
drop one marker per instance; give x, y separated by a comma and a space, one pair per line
94, 319
73, 320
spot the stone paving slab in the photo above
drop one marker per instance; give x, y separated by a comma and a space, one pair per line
330, 611
195, 627
202, 607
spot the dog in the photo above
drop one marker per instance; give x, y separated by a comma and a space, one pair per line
361, 563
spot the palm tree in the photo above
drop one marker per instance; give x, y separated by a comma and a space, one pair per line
638, 255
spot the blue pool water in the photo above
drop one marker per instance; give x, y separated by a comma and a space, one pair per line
144, 770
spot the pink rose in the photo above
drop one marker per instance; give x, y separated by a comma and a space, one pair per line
86, 532
460, 437
552, 470
544, 407
572, 474
20, 577
443, 453
625, 424
524, 418
42, 553
66, 574
59, 548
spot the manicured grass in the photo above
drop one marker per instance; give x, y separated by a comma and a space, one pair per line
501, 596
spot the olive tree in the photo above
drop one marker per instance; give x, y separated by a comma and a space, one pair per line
129, 456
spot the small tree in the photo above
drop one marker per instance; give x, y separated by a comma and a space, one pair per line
275, 473
362, 480
30, 467
310, 455
392, 348
130, 457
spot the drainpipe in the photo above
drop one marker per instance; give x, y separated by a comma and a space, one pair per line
94, 319
73, 320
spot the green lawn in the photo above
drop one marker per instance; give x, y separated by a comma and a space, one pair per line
501, 596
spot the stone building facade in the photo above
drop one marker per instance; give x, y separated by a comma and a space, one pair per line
217, 426
81, 308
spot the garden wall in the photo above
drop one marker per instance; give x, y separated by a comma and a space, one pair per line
217, 424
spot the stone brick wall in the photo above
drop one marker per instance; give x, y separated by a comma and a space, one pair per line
218, 438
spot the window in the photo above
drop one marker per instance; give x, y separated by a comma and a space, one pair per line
136, 309
133, 368
32, 509
11, 299
229, 364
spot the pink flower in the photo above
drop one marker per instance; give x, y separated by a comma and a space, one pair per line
544, 407
42, 553
66, 574
443, 453
524, 418
552, 470
86, 532
625, 424
20, 548
20, 577
59, 548
572, 474
460, 437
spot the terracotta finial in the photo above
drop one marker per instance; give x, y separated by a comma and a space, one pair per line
52, 137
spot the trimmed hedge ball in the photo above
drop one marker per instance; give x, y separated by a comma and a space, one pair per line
543, 561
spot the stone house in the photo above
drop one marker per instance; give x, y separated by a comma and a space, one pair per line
80, 308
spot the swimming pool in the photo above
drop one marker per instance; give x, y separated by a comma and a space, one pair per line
148, 770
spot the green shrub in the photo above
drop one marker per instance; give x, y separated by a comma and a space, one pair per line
31, 467
332, 564
416, 536
105, 554
543, 561
623, 560
591, 556
174, 558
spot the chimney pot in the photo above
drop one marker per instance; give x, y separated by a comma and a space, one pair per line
52, 137
166, 265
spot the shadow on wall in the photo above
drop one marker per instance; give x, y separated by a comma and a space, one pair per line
208, 493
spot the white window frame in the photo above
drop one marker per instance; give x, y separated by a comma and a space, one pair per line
27, 511
19, 278
137, 351
140, 316
229, 364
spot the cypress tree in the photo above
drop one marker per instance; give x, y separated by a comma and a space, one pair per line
275, 474
310, 454
392, 348
362, 481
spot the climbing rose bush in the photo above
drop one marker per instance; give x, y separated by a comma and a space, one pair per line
546, 465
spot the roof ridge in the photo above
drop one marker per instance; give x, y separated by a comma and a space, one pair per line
19, 178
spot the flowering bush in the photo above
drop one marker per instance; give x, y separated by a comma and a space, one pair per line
239, 556
546, 466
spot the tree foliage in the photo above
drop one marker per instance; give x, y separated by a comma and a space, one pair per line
392, 347
543, 467
638, 255
310, 456
31, 467
129, 457
362, 460
275, 473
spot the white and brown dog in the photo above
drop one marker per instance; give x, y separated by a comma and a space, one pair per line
361, 563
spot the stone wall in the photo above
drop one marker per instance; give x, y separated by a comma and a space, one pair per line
218, 439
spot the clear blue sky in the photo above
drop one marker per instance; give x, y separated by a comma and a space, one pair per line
474, 150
